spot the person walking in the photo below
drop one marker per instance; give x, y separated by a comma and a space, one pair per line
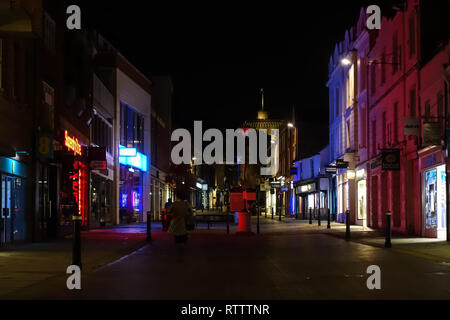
182, 213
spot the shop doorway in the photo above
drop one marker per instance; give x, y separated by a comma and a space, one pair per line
435, 224
12, 209
362, 209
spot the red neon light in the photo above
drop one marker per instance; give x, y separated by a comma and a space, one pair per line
72, 143
78, 189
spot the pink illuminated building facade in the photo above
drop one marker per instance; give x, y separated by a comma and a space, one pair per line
388, 107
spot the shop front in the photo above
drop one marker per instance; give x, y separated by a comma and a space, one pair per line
434, 199
361, 203
73, 192
133, 169
13, 205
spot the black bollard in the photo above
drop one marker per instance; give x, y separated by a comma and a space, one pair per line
347, 224
272, 212
310, 216
328, 219
279, 216
149, 226
76, 249
318, 217
387, 242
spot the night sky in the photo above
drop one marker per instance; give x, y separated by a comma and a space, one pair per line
220, 53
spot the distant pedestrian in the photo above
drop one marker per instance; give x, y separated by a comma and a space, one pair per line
182, 215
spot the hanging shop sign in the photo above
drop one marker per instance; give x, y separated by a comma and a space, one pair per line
390, 159
341, 164
72, 143
330, 169
44, 145
411, 126
432, 134
97, 158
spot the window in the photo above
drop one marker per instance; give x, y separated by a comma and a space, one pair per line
363, 127
440, 104
349, 87
131, 128
383, 68
373, 78
412, 36
102, 133
384, 129
427, 109
337, 101
374, 138
395, 53
362, 74
412, 102
49, 32
347, 135
396, 124
48, 104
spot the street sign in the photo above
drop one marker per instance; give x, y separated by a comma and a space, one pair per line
284, 189
390, 159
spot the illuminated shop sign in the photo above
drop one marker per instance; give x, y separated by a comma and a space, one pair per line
78, 178
72, 143
139, 161
127, 152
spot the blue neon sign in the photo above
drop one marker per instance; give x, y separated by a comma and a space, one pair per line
139, 161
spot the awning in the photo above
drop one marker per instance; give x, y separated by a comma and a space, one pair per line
14, 21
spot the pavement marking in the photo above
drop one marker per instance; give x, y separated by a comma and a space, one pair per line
120, 259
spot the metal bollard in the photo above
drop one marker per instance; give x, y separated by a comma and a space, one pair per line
347, 224
387, 242
310, 216
272, 212
76, 249
328, 219
318, 217
279, 216
149, 226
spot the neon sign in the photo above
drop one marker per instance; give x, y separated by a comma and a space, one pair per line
139, 161
72, 143
78, 188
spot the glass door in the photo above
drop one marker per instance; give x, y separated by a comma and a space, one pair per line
12, 209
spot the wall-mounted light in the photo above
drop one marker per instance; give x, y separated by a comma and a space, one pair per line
351, 174
290, 125
346, 62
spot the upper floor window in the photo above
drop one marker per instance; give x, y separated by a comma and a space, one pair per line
49, 32
373, 78
131, 128
383, 68
412, 36
412, 102
336, 96
395, 53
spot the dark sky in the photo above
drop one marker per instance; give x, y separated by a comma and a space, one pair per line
220, 53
